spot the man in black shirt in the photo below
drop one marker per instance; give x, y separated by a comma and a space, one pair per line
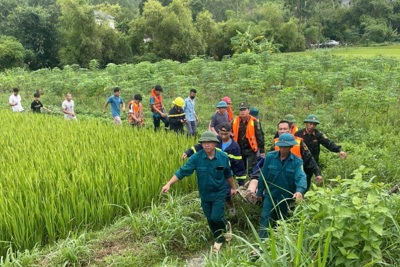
36, 105
313, 138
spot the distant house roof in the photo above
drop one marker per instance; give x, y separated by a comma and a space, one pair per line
346, 2
101, 18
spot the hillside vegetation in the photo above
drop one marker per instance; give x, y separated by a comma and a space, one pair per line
54, 33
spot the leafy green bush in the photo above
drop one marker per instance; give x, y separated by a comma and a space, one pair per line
352, 223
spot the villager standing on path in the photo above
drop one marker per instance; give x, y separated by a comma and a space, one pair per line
247, 133
176, 116
116, 102
219, 117
36, 105
213, 172
190, 113
282, 181
68, 107
157, 107
15, 101
313, 138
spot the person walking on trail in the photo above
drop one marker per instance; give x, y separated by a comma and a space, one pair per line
157, 108
15, 101
219, 117
228, 101
313, 138
116, 103
68, 107
213, 172
247, 133
135, 111
231, 148
282, 180
176, 116
292, 125
300, 149
36, 105
190, 113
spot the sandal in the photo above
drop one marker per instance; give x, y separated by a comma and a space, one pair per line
217, 247
256, 254
228, 234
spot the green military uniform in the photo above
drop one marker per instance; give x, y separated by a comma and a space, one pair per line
316, 138
280, 179
211, 178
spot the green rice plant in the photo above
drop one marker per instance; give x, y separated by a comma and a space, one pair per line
61, 176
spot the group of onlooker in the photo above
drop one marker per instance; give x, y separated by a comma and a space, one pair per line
67, 105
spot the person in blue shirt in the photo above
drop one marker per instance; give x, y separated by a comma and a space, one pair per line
213, 171
115, 101
232, 149
190, 113
281, 181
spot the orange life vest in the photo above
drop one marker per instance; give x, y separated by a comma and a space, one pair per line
294, 129
135, 109
157, 100
250, 131
230, 114
295, 149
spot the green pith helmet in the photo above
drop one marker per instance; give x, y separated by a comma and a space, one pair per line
312, 118
222, 104
254, 112
208, 136
286, 140
290, 118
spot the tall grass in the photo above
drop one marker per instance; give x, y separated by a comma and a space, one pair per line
58, 176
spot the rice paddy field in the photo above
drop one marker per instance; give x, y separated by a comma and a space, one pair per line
57, 175
363, 52
62, 179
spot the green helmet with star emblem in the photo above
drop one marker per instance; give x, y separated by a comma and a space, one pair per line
312, 118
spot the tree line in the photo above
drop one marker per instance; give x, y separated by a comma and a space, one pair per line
54, 33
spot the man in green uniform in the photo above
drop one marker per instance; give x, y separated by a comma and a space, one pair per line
281, 181
313, 138
300, 149
213, 172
